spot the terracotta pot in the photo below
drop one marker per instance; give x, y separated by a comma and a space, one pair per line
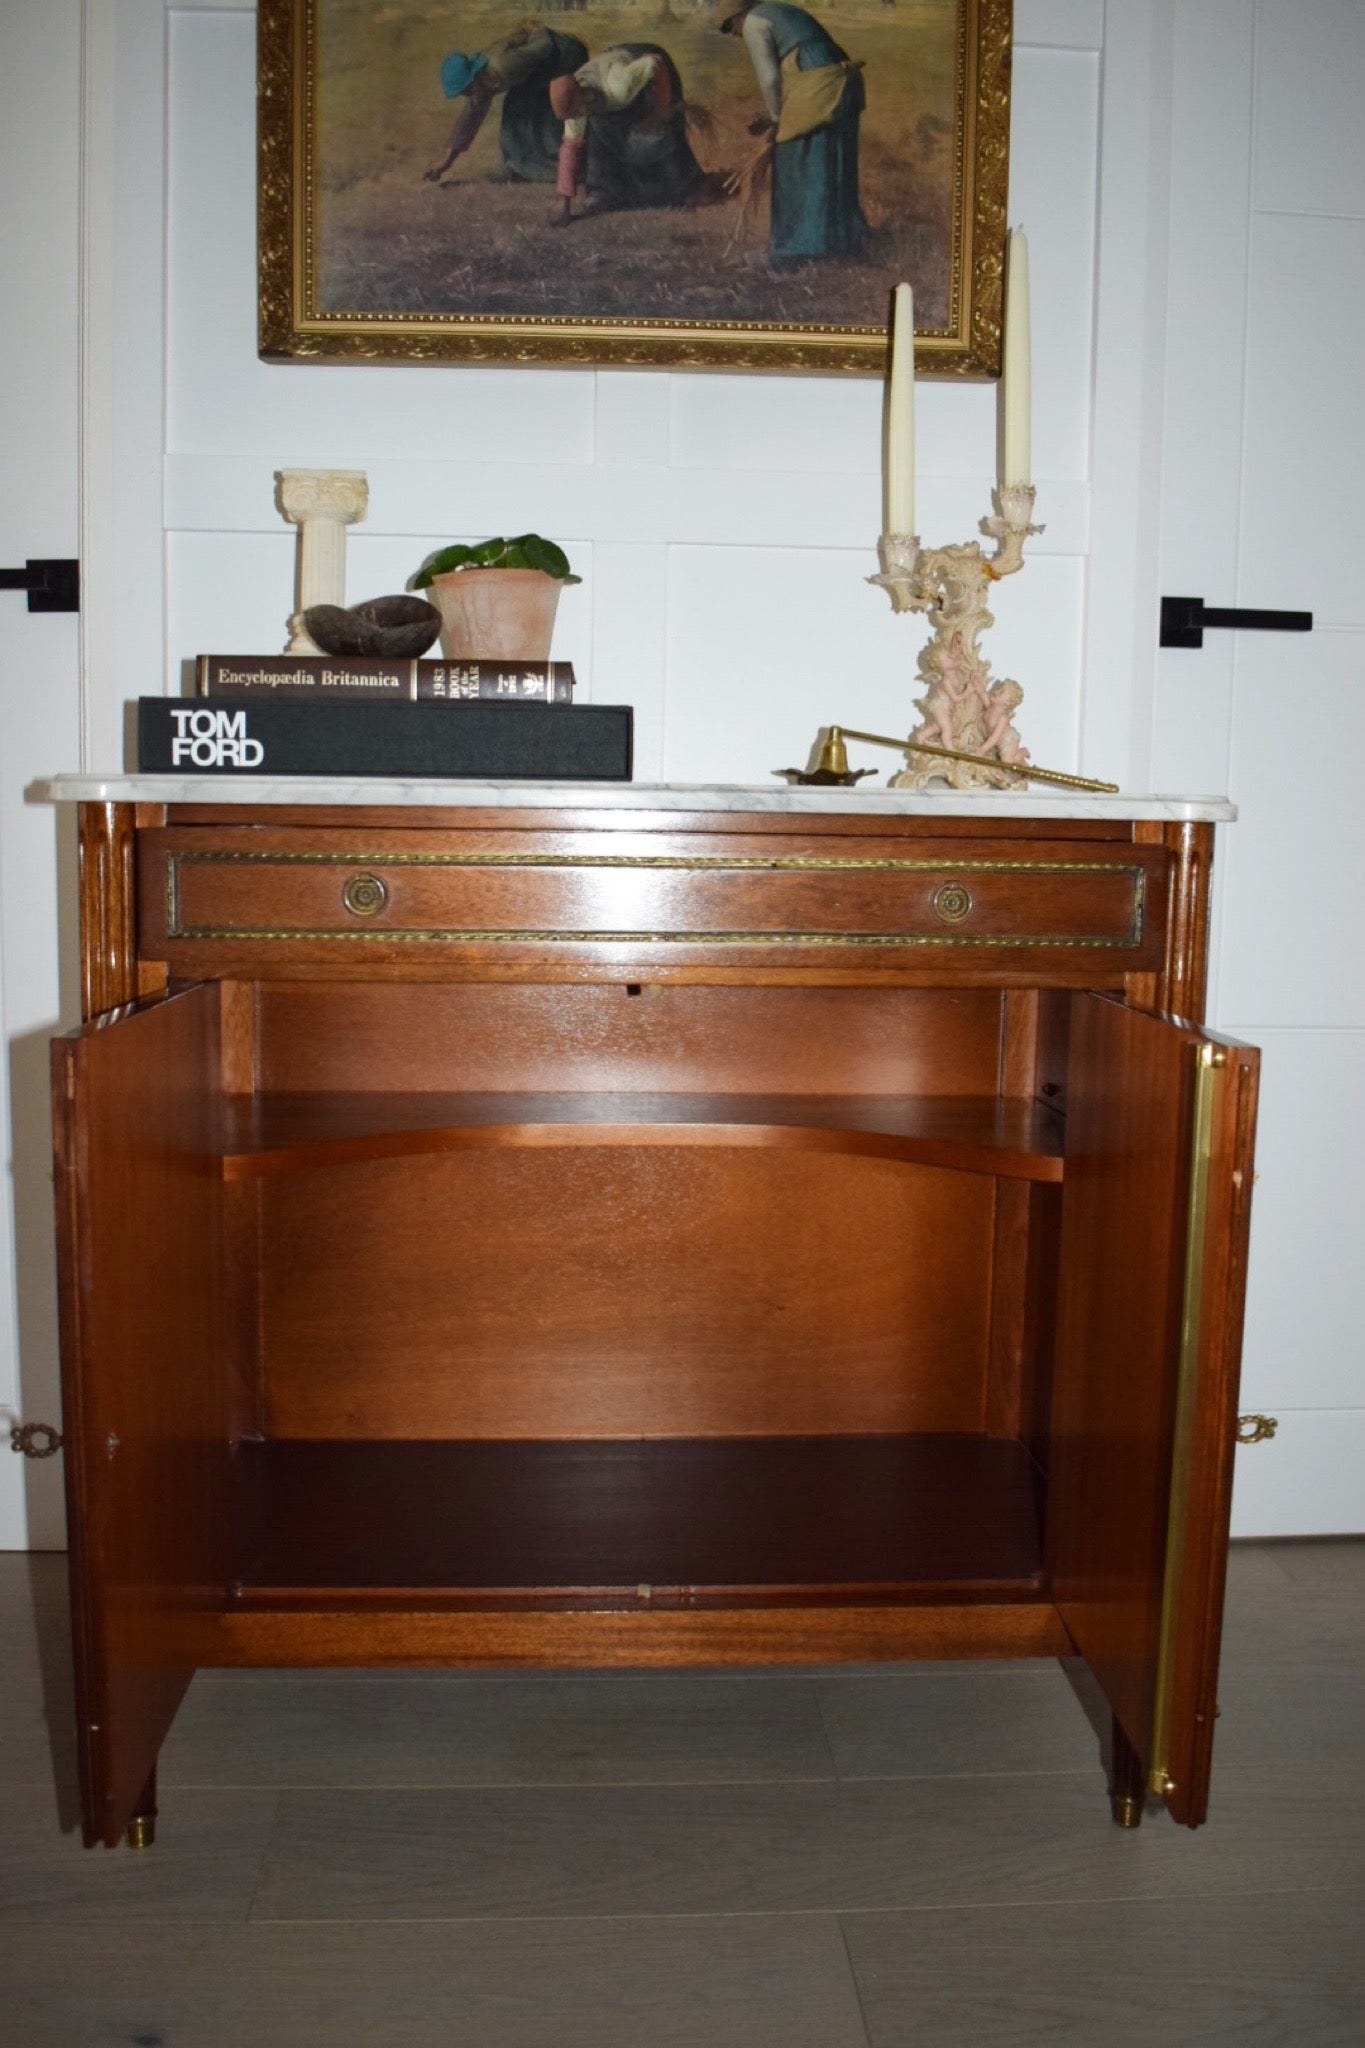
495, 614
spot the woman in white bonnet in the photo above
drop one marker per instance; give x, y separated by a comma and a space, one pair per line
625, 133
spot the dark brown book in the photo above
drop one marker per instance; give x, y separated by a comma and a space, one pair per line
325, 677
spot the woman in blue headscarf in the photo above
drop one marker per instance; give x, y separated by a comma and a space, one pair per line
520, 67
813, 95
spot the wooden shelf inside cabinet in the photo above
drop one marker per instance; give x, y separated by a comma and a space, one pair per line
276, 1134
693, 1522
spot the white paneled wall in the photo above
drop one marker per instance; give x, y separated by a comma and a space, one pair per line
1192, 175
724, 526
1293, 967
39, 721
1263, 446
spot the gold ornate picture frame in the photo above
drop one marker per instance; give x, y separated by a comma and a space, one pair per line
706, 184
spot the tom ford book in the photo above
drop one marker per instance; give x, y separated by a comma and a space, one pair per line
485, 741
319, 677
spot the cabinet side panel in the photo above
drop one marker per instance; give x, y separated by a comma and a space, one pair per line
70, 1179
1118, 1325
143, 1376
1199, 1612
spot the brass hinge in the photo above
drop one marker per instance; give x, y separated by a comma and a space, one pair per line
35, 1439
1254, 1429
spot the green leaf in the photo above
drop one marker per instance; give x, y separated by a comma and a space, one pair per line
439, 564
524, 551
543, 554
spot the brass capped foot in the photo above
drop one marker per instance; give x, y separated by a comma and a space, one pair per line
1127, 1810
140, 1832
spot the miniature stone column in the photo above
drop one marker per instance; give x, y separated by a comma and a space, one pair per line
322, 503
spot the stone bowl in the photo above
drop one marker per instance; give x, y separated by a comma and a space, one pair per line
391, 628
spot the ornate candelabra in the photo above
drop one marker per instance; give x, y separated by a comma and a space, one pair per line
964, 711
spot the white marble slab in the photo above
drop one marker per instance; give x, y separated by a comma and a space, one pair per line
619, 796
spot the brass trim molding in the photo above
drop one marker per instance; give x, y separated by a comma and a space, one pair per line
459, 935
798, 862
1211, 1060
1134, 874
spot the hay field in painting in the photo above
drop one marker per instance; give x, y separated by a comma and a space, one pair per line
388, 242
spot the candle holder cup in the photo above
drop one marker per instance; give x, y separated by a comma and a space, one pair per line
963, 709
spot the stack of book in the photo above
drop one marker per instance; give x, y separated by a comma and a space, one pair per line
324, 715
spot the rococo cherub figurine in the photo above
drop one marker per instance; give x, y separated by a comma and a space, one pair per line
962, 708
966, 714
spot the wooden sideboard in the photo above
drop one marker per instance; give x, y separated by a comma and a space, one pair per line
601, 1231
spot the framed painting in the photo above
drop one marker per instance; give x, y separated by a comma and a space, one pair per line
716, 184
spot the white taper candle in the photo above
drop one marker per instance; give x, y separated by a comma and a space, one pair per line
1017, 463
900, 417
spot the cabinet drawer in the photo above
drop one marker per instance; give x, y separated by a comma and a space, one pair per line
252, 902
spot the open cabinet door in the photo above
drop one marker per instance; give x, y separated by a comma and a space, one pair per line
143, 1382
1155, 1211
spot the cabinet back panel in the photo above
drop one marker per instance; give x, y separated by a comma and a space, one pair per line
624, 1293
803, 1041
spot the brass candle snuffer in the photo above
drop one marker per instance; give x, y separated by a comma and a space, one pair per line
831, 768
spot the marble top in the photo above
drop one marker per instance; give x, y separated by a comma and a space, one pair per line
623, 796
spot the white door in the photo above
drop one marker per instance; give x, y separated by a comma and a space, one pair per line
40, 154
1263, 451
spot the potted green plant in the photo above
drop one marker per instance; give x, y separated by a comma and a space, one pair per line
497, 601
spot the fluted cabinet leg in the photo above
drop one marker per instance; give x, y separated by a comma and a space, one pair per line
141, 1829
1127, 1781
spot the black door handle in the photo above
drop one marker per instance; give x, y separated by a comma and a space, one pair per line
1183, 620
52, 585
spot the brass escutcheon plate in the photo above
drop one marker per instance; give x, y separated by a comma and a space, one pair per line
35, 1439
1256, 1429
365, 895
951, 902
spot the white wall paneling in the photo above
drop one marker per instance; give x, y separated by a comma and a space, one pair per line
1204, 380
725, 525
1260, 456
1303, 1325
786, 671
1305, 451
1306, 1479
39, 714
1127, 390
1059, 24
1312, 89
810, 507
123, 308
1054, 138
1291, 952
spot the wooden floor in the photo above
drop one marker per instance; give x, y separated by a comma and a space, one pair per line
743, 1861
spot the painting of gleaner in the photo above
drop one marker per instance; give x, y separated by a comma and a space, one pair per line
723, 181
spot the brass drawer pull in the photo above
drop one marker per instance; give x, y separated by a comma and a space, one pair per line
951, 902
364, 895
25, 1437
1255, 1429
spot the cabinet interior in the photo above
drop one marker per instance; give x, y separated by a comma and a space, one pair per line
748, 1300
